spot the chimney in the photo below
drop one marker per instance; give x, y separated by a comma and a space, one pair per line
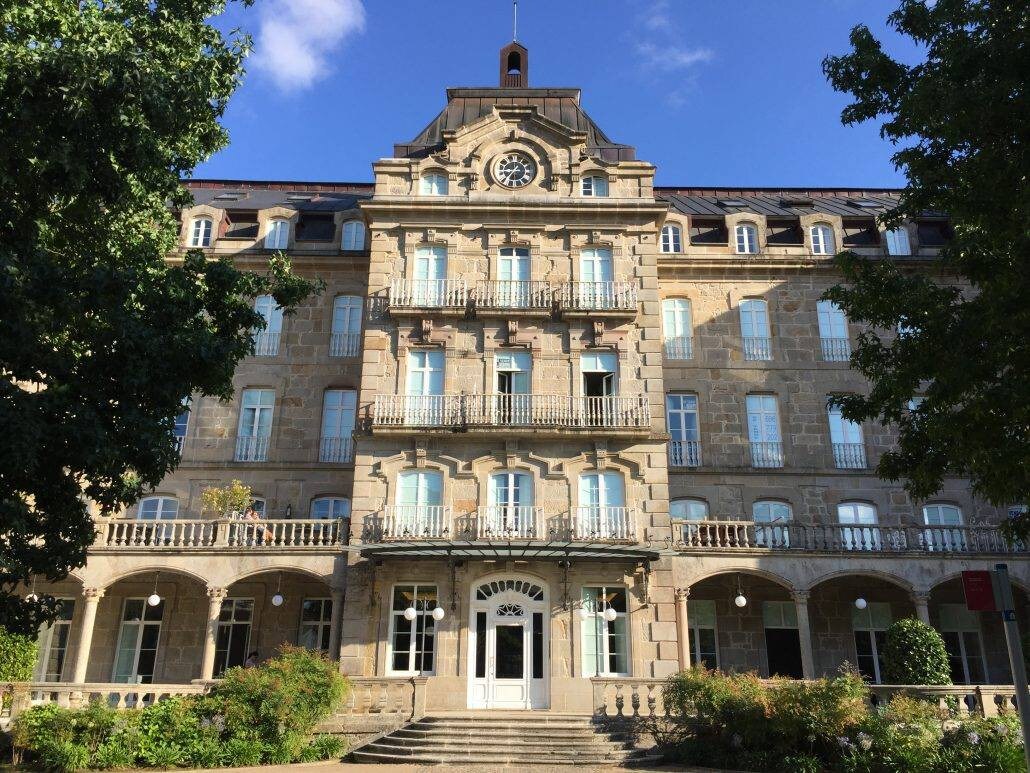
514, 66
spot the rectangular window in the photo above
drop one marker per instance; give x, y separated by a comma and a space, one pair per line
860, 232
704, 648
708, 231
232, 641
754, 329
53, 643
960, 630
833, 332
846, 439
763, 428
338, 412
135, 656
315, 624
605, 643
684, 434
266, 340
182, 424
678, 329
255, 425
870, 626
413, 642
315, 228
480, 645
897, 242
241, 224
345, 340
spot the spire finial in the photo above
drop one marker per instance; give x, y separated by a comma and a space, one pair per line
514, 19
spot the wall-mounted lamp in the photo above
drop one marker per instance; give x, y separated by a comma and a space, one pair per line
861, 603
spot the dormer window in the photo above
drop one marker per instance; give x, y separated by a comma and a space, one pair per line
432, 184
823, 242
672, 238
353, 236
595, 186
897, 242
200, 232
278, 235
747, 239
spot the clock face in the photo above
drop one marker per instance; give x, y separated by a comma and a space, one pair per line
514, 170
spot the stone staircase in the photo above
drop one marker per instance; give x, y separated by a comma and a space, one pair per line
528, 739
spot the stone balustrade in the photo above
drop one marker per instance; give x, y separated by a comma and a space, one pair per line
499, 523
308, 534
525, 295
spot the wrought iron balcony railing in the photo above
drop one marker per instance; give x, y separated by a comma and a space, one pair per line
835, 349
266, 343
345, 344
509, 522
849, 456
684, 453
251, 448
679, 348
767, 454
598, 296
429, 293
598, 522
515, 294
757, 348
336, 449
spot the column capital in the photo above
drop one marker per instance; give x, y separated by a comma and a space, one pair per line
92, 594
682, 594
920, 596
800, 596
336, 592
217, 594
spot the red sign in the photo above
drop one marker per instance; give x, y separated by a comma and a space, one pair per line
979, 590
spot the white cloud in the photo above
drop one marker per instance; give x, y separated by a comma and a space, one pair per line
671, 57
297, 38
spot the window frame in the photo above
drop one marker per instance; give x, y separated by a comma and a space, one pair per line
350, 243
745, 238
898, 241
427, 615
200, 237
277, 234
591, 618
678, 327
822, 239
594, 186
434, 183
671, 240
330, 516
323, 626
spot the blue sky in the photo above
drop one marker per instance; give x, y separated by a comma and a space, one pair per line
714, 93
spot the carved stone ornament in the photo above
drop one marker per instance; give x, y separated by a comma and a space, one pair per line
512, 332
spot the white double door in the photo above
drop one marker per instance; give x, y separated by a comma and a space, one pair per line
507, 654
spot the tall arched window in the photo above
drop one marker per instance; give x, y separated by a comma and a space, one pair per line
685, 512
353, 236
594, 185
278, 235
747, 239
602, 511
672, 239
330, 508
418, 510
510, 511
158, 509
775, 518
823, 242
432, 184
944, 530
200, 232
678, 329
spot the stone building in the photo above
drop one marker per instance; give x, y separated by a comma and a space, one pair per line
547, 423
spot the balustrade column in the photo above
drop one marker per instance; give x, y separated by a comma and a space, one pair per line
683, 627
804, 634
92, 598
922, 604
215, 597
335, 615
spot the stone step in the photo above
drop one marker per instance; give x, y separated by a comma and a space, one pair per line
383, 753
500, 728
486, 735
464, 742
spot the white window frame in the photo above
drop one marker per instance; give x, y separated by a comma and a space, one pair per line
870, 630
678, 328
844, 433
763, 419
834, 337
322, 627
233, 601
433, 184
691, 511
746, 238
755, 330
859, 526
345, 335
166, 509
672, 238
277, 237
898, 242
776, 518
182, 424
266, 340
260, 402
201, 230
51, 634
594, 185
428, 620
949, 537
353, 236
141, 623
823, 241
339, 412
695, 631
962, 630
589, 627
333, 504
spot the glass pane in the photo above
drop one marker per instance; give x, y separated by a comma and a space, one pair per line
618, 646
509, 655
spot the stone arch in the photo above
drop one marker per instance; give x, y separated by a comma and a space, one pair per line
164, 569
1017, 582
772, 577
889, 577
284, 569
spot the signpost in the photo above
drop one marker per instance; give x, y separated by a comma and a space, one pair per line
992, 592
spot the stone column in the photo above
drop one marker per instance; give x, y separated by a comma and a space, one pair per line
683, 627
335, 614
215, 597
922, 603
92, 598
804, 633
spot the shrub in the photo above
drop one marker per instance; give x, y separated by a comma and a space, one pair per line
914, 653
17, 656
808, 717
324, 747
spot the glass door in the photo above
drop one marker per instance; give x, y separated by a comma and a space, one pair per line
596, 274
419, 510
602, 506
513, 278
429, 281
136, 653
510, 509
233, 640
513, 403
425, 388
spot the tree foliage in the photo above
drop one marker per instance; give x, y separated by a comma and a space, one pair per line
961, 121
104, 106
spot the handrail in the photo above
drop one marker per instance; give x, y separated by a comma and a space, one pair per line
429, 293
129, 534
515, 294
684, 453
598, 296
600, 522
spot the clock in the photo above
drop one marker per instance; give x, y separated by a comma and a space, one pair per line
514, 170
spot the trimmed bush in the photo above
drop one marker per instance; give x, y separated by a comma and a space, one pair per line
18, 655
914, 653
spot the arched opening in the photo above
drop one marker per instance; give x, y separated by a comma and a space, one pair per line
514, 63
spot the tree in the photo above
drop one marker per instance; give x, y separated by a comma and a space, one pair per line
104, 106
961, 120
914, 653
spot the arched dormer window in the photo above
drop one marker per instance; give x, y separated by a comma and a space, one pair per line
278, 235
353, 236
594, 185
433, 184
672, 238
200, 232
823, 242
747, 239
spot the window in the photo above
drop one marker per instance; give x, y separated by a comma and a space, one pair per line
339, 407
683, 512
897, 242
315, 227
860, 232
778, 515
833, 332
257, 504
858, 526
510, 511
53, 643
960, 630
138, 637
266, 341
278, 235
419, 507
763, 429
345, 340
602, 512
596, 290
158, 509
182, 424
239, 224
708, 230
846, 440
783, 232
315, 624
353, 236
200, 232
512, 288
330, 508
747, 239
605, 644
429, 278
945, 532
678, 328
754, 329
413, 642
704, 648
594, 186
432, 184
782, 639
684, 435
232, 640
255, 425
823, 242
870, 626
672, 238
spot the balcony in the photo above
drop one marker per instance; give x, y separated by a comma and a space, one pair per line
509, 522
598, 297
266, 343
684, 453
337, 450
835, 349
516, 412
440, 294
407, 522
454, 296
515, 295
767, 454
849, 456
345, 345
604, 523
844, 538
191, 534
250, 448
757, 348
679, 348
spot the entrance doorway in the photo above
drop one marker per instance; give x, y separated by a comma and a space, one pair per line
507, 651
